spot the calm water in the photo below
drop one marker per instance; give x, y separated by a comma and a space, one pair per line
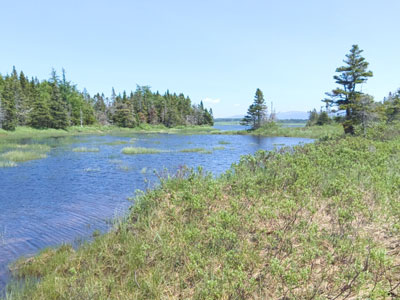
68, 195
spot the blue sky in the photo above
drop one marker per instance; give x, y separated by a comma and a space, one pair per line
218, 51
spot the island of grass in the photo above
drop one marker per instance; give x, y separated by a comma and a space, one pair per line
140, 150
321, 221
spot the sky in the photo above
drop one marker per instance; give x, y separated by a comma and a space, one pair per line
217, 51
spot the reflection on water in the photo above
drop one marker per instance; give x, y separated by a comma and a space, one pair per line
68, 195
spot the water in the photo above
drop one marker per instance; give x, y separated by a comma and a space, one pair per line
68, 195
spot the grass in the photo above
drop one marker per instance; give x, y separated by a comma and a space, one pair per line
116, 143
140, 150
21, 153
21, 156
85, 149
320, 221
219, 148
7, 164
275, 129
223, 142
32, 133
189, 150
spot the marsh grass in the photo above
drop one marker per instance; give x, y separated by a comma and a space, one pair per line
308, 223
7, 164
223, 142
21, 156
116, 143
189, 150
85, 149
140, 150
219, 148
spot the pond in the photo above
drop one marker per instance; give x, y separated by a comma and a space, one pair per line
67, 196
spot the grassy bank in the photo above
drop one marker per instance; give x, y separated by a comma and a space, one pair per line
319, 222
28, 132
314, 132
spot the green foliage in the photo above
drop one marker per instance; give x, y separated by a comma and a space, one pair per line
58, 104
139, 150
354, 73
257, 112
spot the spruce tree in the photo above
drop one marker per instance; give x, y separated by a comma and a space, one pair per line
58, 107
9, 110
352, 75
257, 112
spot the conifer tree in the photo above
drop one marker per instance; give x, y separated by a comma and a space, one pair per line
58, 107
352, 75
257, 112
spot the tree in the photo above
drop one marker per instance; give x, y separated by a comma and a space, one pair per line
58, 106
257, 112
9, 110
391, 107
364, 110
353, 74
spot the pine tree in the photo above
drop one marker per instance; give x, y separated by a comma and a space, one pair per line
353, 74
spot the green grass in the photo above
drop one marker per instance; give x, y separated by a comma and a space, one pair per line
14, 153
275, 129
85, 149
140, 150
192, 150
21, 156
321, 221
223, 142
28, 132
116, 143
7, 164
219, 148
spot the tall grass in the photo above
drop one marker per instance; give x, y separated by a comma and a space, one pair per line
21, 153
320, 221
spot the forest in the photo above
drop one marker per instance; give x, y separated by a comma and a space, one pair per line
58, 103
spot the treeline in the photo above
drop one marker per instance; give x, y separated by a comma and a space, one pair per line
57, 103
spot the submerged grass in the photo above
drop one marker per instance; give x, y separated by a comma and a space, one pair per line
140, 150
85, 149
320, 221
116, 143
188, 150
219, 148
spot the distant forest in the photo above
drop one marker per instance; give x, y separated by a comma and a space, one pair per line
57, 103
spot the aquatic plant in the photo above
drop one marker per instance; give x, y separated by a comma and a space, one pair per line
140, 150
192, 150
219, 148
115, 143
20, 156
85, 149
223, 142
7, 164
